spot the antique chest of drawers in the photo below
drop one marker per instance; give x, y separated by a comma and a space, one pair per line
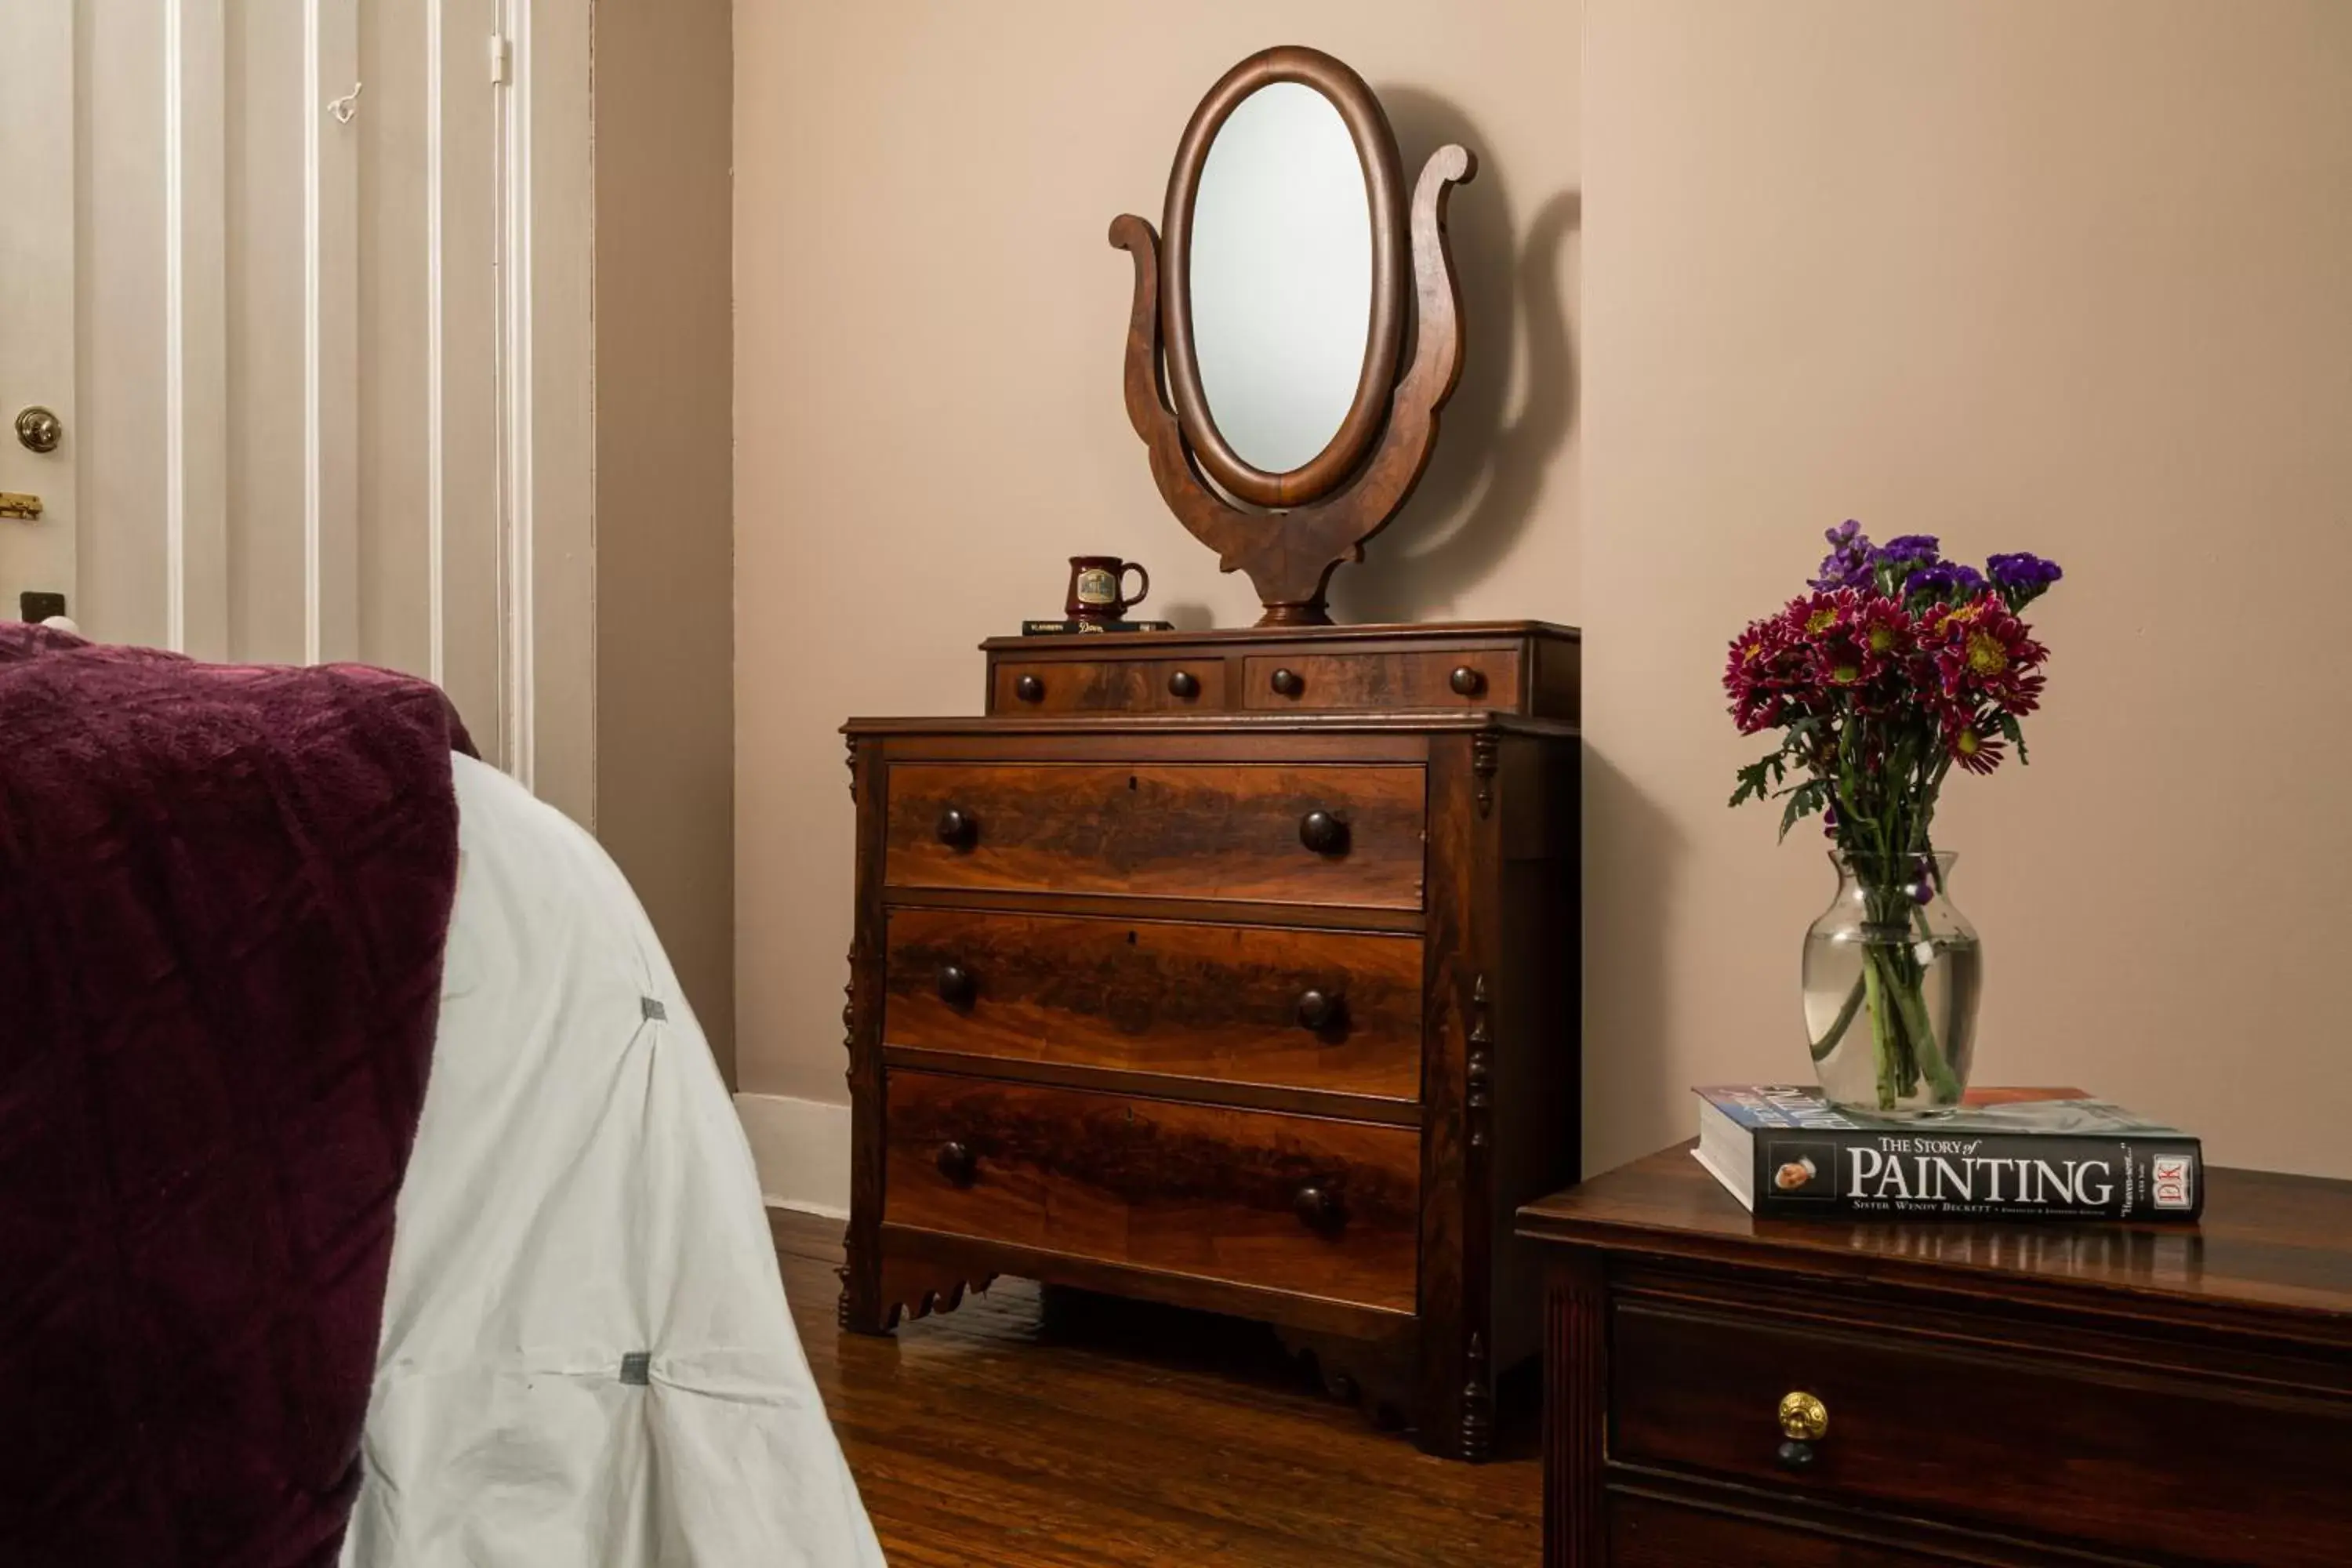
1721, 1390
1235, 970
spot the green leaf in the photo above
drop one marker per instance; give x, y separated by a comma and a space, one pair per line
2009, 726
1752, 784
1804, 801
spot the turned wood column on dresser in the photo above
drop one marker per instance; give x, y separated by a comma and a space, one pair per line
1721, 1390
1235, 970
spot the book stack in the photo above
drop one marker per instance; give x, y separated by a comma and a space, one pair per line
2003, 1153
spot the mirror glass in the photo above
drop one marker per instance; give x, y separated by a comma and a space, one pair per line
1281, 276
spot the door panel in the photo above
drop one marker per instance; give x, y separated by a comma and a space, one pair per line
36, 293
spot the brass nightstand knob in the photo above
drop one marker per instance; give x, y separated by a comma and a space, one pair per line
1805, 1420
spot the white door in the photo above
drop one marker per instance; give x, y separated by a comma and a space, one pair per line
36, 303
328, 394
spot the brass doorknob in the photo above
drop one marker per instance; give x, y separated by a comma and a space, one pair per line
40, 429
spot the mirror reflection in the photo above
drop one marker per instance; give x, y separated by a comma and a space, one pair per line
1281, 276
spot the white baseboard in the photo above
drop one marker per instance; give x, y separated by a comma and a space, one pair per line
802, 1148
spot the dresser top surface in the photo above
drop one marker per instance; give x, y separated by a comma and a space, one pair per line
1419, 721
1404, 633
2272, 1248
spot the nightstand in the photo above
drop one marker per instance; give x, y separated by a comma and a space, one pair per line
1723, 1390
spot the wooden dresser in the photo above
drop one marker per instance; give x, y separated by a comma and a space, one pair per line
1721, 1391
1236, 970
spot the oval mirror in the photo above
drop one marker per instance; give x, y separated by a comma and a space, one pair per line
1285, 263
1281, 276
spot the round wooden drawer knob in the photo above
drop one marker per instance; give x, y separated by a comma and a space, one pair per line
957, 987
1029, 689
1320, 1010
1465, 681
958, 828
1288, 682
958, 1163
1318, 1208
1184, 684
1323, 833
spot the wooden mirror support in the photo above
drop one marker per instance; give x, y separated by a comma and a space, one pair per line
1290, 531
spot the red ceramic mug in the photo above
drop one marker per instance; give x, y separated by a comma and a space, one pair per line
1097, 585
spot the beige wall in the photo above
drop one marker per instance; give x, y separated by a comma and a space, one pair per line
929, 324
2070, 277
665, 484
2066, 277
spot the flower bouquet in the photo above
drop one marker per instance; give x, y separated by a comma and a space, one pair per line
1897, 667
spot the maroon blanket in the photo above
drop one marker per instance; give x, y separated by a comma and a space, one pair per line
222, 897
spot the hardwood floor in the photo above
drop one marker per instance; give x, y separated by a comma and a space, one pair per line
1056, 1429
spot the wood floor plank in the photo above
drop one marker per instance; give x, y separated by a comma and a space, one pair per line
1056, 1429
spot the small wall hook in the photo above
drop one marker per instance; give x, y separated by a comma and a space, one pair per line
345, 106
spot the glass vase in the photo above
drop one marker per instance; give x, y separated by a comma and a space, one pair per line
1892, 976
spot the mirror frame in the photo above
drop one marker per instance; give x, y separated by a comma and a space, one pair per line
1383, 174
1290, 544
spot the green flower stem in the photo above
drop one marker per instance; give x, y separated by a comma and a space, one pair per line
1829, 1042
1913, 1003
1882, 1033
1905, 1036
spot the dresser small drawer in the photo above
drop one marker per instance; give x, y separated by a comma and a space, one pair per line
1325, 834
1298, 1204
1332, 681
1108, 685
2223, 1470
1305, 1009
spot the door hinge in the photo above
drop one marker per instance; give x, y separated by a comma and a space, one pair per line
501, 59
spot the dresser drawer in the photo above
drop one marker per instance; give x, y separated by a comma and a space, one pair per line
1305, 1009
2222, 1470
1383, 680
1299, 1204
1234, 831
1108, 685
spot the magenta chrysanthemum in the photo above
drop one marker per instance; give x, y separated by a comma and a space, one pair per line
1985, 654
1973, 744
1764, 674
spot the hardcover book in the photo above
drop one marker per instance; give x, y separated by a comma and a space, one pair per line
1090, 629
2031, 1154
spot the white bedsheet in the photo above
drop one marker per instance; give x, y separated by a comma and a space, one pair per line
580, 1193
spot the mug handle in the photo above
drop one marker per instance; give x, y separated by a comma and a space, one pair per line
1136, 567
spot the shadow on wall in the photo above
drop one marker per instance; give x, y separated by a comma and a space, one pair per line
1632, 853
1481, 487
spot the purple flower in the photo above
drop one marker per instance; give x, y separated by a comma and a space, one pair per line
1847, 566
2023, 577
1946, 580
1908, 552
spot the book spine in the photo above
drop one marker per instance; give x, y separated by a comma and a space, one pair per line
1090, 629
1873, 1174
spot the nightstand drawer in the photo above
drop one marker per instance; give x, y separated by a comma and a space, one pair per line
1318, 834
2222, 1469
1108, 685
1335, 1011
1298, 1204
1482, 677
1646, 1533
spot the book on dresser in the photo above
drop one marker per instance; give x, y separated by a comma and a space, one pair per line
1784, 1152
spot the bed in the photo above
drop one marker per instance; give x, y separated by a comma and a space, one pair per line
586, 1357
368, 1195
